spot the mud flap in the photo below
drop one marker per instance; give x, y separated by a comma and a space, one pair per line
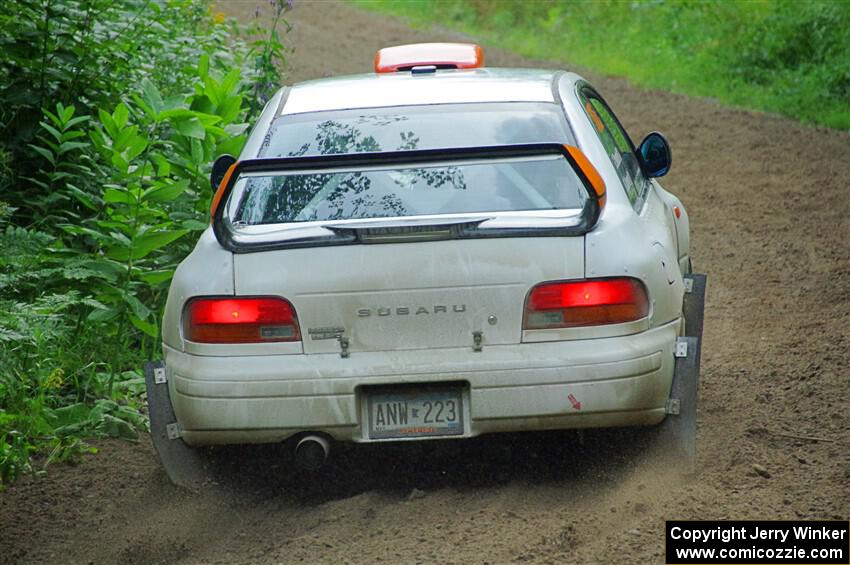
676, 436
185, 466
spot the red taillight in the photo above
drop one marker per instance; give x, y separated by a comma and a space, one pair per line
240, 320
585, 303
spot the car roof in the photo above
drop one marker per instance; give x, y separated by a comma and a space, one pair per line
410, 89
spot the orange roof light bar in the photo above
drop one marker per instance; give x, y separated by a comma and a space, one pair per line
440, 55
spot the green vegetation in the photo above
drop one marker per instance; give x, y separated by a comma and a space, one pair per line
111, 112
783, 56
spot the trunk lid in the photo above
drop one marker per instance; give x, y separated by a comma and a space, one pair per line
402, 296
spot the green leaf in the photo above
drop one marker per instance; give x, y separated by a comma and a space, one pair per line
151, 95
146, 327
178, 113
110, 270
165, 192
231, 145
52, 131
135, 148
194, 225
156, 277
124, 137
144, 244
173, 102
81, 230
136, 306
215, 132
120, 163
44, 153
67, 415
37, 182
78, 120
67, 113
145, 169
121, 115
83, 197
108, 123
197, 152
229, 108
70, 146
59, 176
163, 167
50, 145
204, 66
212, 90
151, 241
236, 129
230, 82
102, 315
72, 134
53, 117
116, 196
111, 426
99, 139
208, 119
191, 127
202, 103
145, 107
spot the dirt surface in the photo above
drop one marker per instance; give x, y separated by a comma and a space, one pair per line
770, 217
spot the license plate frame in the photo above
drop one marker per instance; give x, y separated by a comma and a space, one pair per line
428, 412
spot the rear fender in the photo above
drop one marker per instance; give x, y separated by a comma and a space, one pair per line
624, 245
681, 225
207, 271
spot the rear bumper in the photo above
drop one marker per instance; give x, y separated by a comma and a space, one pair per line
618, 381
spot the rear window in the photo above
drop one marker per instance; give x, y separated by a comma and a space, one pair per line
518, 184
545, 182
403, 128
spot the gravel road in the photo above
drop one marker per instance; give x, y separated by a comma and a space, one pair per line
769, 201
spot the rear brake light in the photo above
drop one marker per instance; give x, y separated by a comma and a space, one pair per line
240, 320
585, 303
440, 55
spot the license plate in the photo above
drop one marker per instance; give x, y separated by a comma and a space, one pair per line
415, 413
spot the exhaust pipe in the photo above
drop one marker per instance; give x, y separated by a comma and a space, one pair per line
311, 452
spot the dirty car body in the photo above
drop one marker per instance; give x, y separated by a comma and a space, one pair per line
430, 253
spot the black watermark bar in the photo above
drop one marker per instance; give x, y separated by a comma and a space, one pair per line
766, 542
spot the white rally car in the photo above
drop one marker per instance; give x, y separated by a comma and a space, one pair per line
435, 250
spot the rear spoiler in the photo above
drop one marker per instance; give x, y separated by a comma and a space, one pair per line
339, 235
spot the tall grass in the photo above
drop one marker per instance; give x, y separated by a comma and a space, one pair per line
785, 56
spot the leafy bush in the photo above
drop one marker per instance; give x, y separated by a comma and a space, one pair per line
783, 56
50, 359
110, 119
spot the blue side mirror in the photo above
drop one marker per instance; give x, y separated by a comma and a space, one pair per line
655, 155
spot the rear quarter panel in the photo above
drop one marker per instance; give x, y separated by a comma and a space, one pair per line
626, 242
207, 271
680, 226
